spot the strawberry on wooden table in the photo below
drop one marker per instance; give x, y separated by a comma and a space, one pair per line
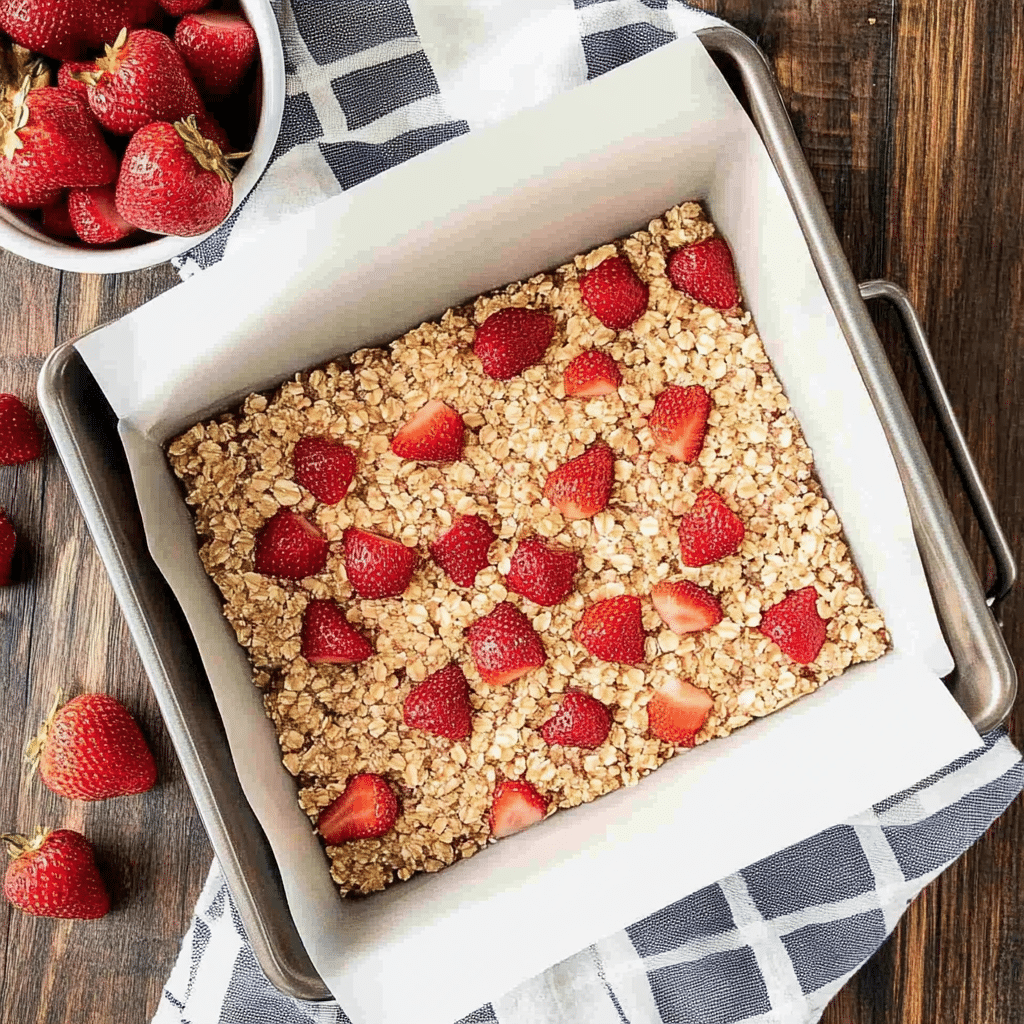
174, 180
93, 214
678, 711
329, 638
440, 704
504, 645
290, 546
542, 572
54, 874
516, 805
614, 293
685, 607
582, 486
679, 421
367, 809
377, 566
580, 721
612, 630
8, 542
512, 340
20, 437
432, 434
92, 749
592, 374
705, 271
218, 48
709, 531
462, 550
795, 625
324, 467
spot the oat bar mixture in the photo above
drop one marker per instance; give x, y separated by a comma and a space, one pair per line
336, 721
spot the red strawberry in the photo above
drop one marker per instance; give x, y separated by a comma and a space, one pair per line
54, 875
367, 809
92, 749
95, 217
176, 8
434, 434
709, 531
505, 645
377, 566
512, 340
615, 295
462, 550
795, 625
210, 128
20, 439
542, 572
516, 806
174, 181
612, 630
440, 705
290, 546
327, 637
65, 29
8, 542
57, 220
67, 80
218, 48
705, 271
678, 711
685, 607
141, 79
580, 721
679, 420
324, 467
581, 488
592, 374
111, 16
50, 143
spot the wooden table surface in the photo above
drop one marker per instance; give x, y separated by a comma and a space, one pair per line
910, 113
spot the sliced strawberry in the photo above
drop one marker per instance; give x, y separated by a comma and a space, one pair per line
679, 421
678, 711
615, 295
95, 217
462, 550
434, 434
581, 488
709, 531
367, 809
516, 806
612, 630
592, 374
377, 566
289, 545
328, 638
685, 607
705, 271
542, 572
580, 721
324, 467
512, 340
795, 625
440, 705
8, 542
505, 645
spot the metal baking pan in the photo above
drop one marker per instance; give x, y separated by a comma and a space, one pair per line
83, 428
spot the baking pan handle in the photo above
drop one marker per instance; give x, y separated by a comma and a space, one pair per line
1006, 566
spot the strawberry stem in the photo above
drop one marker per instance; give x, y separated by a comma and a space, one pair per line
9, 142
17, 845
35, 745
206, 152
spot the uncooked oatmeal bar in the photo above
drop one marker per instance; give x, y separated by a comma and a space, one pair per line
524, 555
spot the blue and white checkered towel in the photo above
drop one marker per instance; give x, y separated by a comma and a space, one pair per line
372, 83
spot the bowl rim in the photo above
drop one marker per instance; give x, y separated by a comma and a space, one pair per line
25, 240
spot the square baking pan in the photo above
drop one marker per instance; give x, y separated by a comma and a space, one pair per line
84, 431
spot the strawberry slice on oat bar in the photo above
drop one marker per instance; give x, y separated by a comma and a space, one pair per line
505, 645
516, 805
377, 566
462, 550
709, 531
440, 704
329, 639
613, 630
582, 486
795, 625
290, 546
433, 434
678, 711
367, 809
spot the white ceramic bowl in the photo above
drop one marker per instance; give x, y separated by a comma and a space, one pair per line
26, 240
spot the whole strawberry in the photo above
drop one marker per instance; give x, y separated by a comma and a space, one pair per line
50, 143
614, 293
174, 181
142, 78
20, 439
65, 29
8, 542
218, 48
92, 749
54, 874
94, 217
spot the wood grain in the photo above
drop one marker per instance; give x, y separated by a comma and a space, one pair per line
910, 112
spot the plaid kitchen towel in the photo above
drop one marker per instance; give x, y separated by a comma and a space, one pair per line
372, 83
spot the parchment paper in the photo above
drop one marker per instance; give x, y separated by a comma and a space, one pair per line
489, 208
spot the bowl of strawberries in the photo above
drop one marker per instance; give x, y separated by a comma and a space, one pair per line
130, 129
